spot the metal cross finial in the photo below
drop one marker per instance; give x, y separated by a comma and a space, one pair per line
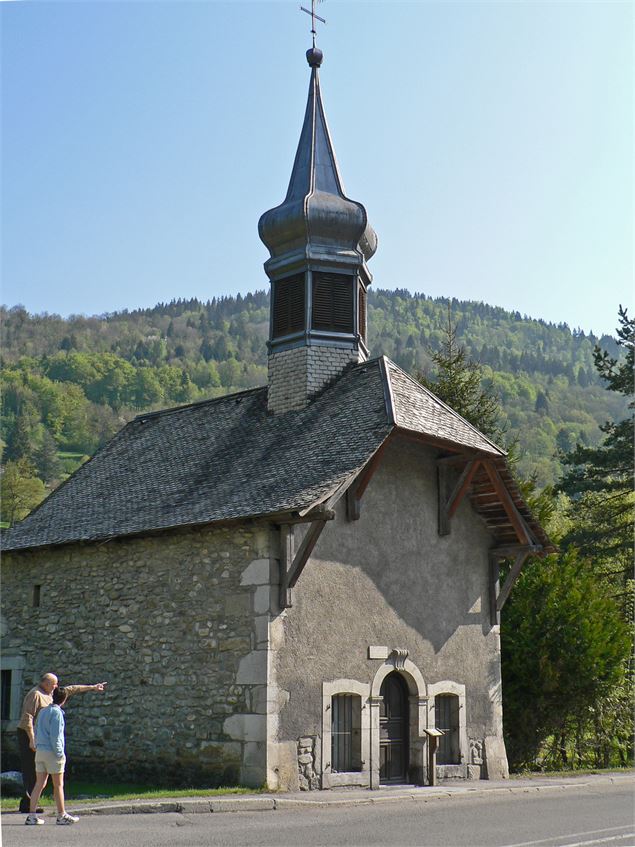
314, 17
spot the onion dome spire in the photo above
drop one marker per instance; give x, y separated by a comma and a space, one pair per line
319, 241
316, 220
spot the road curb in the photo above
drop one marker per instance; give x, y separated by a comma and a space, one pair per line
270, 803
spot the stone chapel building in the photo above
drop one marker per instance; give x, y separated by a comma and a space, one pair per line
289, 585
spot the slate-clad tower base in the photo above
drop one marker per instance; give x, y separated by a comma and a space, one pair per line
319, 241
298, 375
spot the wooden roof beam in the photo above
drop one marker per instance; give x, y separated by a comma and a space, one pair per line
520, 527
447, 508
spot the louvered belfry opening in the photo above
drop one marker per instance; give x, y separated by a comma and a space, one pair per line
362, 313
332, 303
288, 305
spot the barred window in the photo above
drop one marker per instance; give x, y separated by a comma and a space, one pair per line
446, 718
346, 719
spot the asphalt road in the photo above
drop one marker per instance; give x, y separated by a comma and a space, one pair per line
580, 817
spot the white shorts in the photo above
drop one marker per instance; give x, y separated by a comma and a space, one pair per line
47, 762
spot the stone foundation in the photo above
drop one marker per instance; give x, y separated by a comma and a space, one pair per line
308, 776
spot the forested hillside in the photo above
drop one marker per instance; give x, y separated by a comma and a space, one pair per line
70, 384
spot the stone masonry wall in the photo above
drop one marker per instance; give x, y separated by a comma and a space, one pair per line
297, 375
177, 624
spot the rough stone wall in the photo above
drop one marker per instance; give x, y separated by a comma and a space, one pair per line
178, 626
389, 579
297, 375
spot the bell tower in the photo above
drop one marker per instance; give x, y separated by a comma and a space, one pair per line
319, 242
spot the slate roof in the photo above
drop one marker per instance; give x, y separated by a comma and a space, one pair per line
418, 409
229, 458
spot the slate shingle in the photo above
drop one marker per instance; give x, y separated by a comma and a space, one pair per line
213, 461
230, 459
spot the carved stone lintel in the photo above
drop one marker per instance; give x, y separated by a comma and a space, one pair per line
375, 651
399, 656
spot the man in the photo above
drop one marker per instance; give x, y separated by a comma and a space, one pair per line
36, 699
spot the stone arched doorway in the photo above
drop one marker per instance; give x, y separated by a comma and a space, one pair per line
394, 730
405, 673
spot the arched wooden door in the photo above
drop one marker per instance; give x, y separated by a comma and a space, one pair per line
393, 730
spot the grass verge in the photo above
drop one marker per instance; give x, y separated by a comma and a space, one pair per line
78, 792
576, 772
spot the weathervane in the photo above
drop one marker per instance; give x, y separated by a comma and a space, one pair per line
314, 17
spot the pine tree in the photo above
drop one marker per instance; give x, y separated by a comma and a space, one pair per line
600, 479
458, 382
46, 460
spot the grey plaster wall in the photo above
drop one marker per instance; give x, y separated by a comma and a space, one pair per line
390, 579
178, 626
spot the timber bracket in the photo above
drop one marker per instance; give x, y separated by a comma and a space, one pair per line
292, 561
498, 595
449, 503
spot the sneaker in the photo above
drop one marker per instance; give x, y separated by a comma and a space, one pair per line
33, 820
66, 819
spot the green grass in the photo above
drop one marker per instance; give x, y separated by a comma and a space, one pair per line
576, 772
78, 792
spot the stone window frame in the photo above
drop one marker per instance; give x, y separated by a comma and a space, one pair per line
448, 686
331, 779
15, 663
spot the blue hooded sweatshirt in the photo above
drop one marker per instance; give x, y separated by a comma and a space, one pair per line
49, 730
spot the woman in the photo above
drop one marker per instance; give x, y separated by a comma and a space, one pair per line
50, 759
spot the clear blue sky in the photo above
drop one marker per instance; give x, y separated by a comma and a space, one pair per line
491, 144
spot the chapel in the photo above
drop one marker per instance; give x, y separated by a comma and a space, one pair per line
295, 585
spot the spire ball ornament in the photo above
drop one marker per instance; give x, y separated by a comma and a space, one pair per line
314, 56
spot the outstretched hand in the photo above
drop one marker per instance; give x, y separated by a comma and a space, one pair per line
100, 686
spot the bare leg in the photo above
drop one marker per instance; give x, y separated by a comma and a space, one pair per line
41, 779
58, 789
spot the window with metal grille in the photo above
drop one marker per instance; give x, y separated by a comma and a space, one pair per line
346, 736
288, 305
332, 302
446, 718
5, 695
362, 313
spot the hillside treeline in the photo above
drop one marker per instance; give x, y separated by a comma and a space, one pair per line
69, 384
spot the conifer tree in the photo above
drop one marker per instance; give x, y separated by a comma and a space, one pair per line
458, 382
600, 479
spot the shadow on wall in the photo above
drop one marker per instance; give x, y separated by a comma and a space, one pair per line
398, 568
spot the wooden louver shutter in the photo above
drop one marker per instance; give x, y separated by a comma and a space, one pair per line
288, 305
332, 302
362, 313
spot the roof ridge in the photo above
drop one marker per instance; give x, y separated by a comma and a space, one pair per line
142, 416
444, 405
